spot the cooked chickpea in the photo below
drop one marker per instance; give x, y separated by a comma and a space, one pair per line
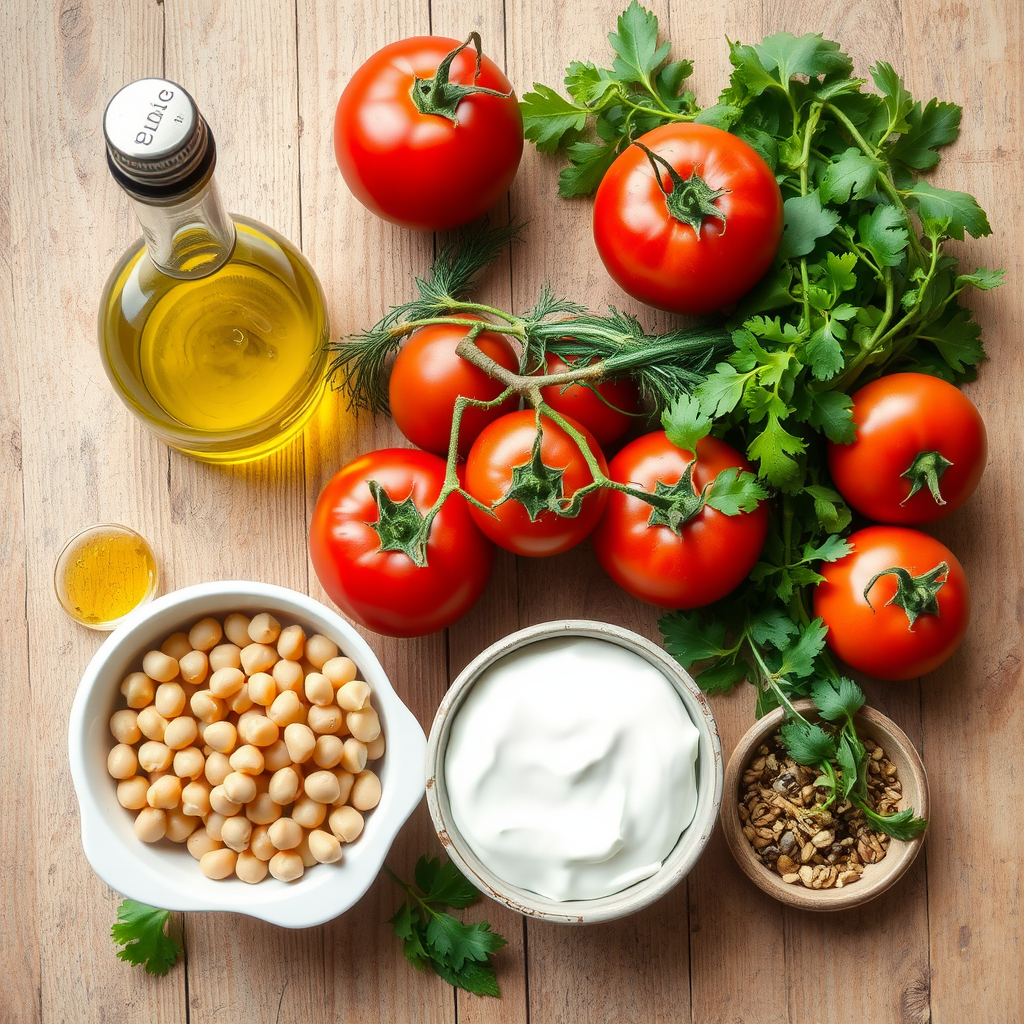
222, 736
194, 668
222, 803
324, 847
138, 690
226, 681
260, 845
261, 731
159, 666
354, 695
124, 726
131, 792
206, 707
291, 644
308, 812
250, 868
264, 629
363, 724
248, 759
205, 634
284, 786
214, 822
195, 798
262, 810
276, 756
151, 723
340, 670
285, 834
201, 842
239, 788
375, 748
325, 720
180, 825
217, 768
188, 763
176, 646
258, 658
155, 756
365, 791
218, 863
262, 688
328, 750
320, 650
288, 675
346, 823
322, 787
181, 733
286, 709
354, 757
169, 699
300, 741
235, 833
165, 792
240, 702
318, 689
286, 866
151, 824
345, 781
236, 628
225, 656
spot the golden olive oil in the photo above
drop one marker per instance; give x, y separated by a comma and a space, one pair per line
226, 367
103, 573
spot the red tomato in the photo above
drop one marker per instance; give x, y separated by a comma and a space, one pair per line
498, 458
900, 417
710, 555
662, 260
428, 376
424, 170
605, 409
878, 638
385, 590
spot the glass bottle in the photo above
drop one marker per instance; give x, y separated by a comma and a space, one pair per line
212, 327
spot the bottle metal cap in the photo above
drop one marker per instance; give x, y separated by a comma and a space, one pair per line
157, 141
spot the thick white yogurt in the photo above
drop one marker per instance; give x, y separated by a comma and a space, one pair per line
570, 768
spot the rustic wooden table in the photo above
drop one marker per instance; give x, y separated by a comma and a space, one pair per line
944, 945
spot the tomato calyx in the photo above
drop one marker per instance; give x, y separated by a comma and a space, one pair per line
439, 96
538, 487
400, 526
680, 502
927, 468
916, 595
691, 200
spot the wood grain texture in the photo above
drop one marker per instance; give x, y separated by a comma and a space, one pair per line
943, 946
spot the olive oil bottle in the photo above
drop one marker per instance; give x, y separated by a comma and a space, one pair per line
212, 327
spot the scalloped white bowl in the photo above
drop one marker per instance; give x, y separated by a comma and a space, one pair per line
164, 874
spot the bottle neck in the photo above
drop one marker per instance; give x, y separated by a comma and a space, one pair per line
188, 237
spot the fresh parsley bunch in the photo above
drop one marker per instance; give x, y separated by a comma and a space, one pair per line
458, 952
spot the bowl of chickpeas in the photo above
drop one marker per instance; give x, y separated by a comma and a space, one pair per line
237, 746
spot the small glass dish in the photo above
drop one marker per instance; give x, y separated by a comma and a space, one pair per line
103, 573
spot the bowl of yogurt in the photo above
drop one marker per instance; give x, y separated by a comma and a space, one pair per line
574, 772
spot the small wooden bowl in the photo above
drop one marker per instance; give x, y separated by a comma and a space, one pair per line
878, 877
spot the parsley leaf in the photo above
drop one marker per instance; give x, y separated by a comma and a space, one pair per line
957, 210
938, 124
636, 45
809, 55
144, 933
549, 118
685, 422
808, 744
806, 220
456, 951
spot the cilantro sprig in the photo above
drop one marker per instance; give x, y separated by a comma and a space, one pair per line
458, 952
146, 933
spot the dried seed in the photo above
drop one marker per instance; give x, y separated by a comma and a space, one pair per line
806, 853
785, 865
791, 878
823, 838
806, 875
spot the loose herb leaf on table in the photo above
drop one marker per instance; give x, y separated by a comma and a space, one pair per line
144, 933
458, 952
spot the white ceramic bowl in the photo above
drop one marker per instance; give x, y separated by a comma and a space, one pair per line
690, 844
164, 874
